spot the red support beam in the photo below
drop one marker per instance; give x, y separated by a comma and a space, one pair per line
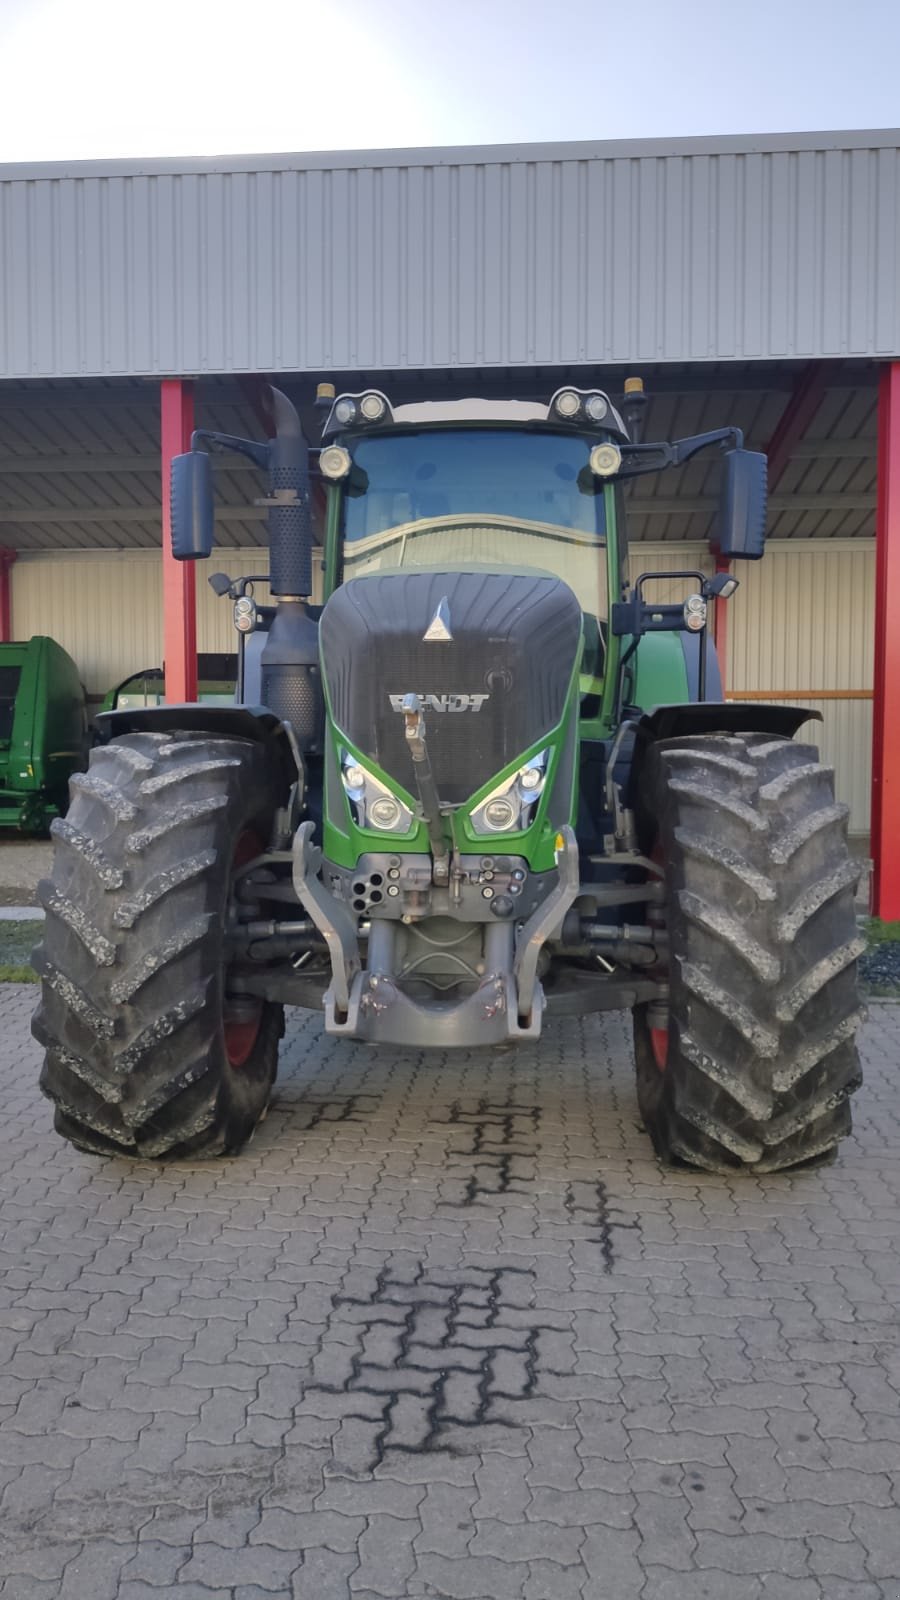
720, 623
885, 844
179, 591
7, 558
795, 419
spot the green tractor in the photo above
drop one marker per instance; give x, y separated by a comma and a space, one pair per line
486, 782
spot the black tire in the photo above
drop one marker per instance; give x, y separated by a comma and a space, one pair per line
760, 1058
133, 1007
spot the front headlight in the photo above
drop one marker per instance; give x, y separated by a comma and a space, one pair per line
513, 805
371, 801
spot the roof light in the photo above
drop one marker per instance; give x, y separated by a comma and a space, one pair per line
372, 407
596, 407
605, 460
334, 462
345, 410
568, 403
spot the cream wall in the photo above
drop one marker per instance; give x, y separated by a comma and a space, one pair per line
801, 620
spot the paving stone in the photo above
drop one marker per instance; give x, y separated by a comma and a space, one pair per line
318, 1372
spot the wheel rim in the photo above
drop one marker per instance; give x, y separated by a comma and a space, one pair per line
659, 1043
242, 1019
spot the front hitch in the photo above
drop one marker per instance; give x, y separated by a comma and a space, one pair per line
428, 795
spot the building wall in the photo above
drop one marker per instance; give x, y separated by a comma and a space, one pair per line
801, 621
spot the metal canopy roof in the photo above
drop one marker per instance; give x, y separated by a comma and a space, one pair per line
79, 462
731, 249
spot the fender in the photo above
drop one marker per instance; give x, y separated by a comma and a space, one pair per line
712, 716
236, 722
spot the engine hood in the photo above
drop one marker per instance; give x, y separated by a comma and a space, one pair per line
491, 655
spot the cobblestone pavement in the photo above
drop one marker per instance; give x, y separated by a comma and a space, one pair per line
447, 1330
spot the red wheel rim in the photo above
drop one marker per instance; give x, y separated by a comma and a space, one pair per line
659, 1043
241, 1033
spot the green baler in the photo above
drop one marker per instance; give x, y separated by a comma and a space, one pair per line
43, 731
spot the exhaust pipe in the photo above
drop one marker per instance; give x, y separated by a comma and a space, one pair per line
289, 519
291, 682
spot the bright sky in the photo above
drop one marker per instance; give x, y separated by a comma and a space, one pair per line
104, 78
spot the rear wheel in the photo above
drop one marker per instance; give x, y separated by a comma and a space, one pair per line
146, 1052
754, 1060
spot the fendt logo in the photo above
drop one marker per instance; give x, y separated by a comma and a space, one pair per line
444, 702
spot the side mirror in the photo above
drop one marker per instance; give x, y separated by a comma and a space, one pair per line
741, 533
192, 508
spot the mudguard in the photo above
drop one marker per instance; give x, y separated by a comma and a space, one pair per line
243, 722
713, 716
235, 722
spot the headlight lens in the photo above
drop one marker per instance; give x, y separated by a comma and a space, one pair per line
385, 812
500, 813
513, 805
372, 407
371, 802
334, 462
568, 403
597, 407
605, 460
345, 411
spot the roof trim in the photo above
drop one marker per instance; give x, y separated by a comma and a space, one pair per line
457, 155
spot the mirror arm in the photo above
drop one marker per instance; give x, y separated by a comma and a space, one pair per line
684, 449
639, 458
258, 453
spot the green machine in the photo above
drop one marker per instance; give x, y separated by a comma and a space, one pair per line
488, 782
43, 732
216, 679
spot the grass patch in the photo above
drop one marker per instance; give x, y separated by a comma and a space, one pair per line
878, 932
17, 940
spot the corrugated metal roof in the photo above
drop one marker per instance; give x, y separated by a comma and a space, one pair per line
691, 250
79, 463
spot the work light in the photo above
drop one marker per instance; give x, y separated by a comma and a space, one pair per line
334, 462
605, 460
372, 407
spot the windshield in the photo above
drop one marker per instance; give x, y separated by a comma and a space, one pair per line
477, 497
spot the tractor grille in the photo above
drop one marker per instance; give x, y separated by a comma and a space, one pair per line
515, 641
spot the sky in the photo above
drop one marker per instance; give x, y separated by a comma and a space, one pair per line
87, 79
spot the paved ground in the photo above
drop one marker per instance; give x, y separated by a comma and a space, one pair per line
447, 1330
23, 862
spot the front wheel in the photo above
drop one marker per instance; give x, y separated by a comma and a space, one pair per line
753, 1061
146, 1052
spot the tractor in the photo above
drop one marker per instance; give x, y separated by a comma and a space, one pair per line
473, 779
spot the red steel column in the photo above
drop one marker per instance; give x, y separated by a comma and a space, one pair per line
885, 843
7, 557
179, 586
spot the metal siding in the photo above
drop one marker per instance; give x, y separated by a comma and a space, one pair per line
695, 251
105, 610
